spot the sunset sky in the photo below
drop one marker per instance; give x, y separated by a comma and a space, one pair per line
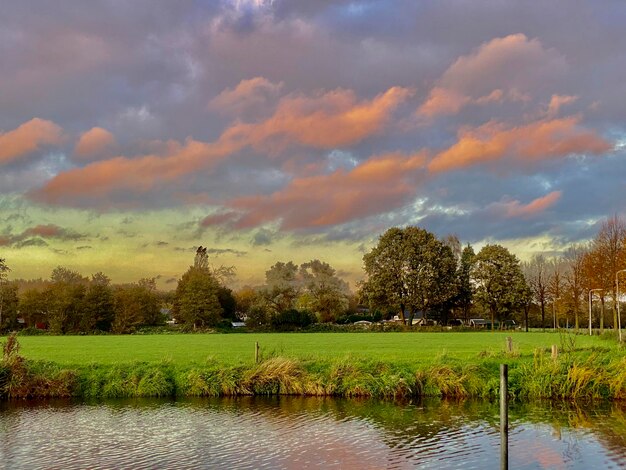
132, 132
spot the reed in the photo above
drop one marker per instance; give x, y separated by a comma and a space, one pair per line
598, 374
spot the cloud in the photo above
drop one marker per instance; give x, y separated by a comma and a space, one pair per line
506, 68
522, 145
113, 182
514, 209
323, 121
377, 185
224, 251
218, 219
94, 144
330, 120
34, 236
28, 138
558, 101
248, 95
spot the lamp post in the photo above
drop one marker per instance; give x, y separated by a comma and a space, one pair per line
619, 319
554, 310
590, 300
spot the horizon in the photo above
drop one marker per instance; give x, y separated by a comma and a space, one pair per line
274, 131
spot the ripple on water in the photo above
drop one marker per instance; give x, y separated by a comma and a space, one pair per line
290, 434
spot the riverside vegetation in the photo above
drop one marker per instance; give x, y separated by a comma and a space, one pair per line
586, 368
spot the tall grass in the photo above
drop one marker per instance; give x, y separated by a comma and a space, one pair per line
599, 374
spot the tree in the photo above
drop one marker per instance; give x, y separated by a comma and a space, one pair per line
9, 302
33, 307
574, 278
282, 287
4, 272
609, 247
597, 276
465, 292
98, 311
556, 285
135, 305
500, 284
65, 297
196, 300
536, 273
409, 270
328, 295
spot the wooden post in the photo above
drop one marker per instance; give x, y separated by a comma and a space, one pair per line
509, 344
256, 352
504, 417
555, 351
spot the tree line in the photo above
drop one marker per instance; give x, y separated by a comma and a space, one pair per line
409, 273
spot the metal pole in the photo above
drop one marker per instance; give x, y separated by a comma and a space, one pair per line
590, 312
504, 417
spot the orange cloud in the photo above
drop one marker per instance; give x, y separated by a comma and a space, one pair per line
330, 120
94, 143
247, 94
499, 69
28, 138
557, 101
333, 119
529, 143
380, 184
514, 209
137, 175
219, 219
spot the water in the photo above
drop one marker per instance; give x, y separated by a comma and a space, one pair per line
295, 433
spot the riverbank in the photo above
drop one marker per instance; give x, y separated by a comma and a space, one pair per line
592, 373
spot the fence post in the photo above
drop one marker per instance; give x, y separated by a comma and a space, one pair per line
256, 352
555, 351
504, 417
509, 344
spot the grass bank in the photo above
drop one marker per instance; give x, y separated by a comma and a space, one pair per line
578, 373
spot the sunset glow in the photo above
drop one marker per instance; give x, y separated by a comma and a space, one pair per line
131, 133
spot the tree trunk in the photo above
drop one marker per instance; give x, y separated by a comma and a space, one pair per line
576, 307
526, 308
543, 315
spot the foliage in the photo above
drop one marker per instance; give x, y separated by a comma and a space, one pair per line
410, 270
291, 320
282, 287
328, 295
196, 302
135, 305
500, 284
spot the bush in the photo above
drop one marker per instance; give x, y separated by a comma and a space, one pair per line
291, 320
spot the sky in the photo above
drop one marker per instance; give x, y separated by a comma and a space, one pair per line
133, 132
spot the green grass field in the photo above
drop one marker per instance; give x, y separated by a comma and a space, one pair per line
230, 349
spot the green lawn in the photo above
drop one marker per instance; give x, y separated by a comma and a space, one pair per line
414, 348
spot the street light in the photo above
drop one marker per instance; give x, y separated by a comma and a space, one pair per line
554, 310
590, 294
619, 319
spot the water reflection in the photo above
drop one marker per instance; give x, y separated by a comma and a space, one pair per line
285, 432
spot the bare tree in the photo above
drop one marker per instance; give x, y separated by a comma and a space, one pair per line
537, 276
574, 277
609, 247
